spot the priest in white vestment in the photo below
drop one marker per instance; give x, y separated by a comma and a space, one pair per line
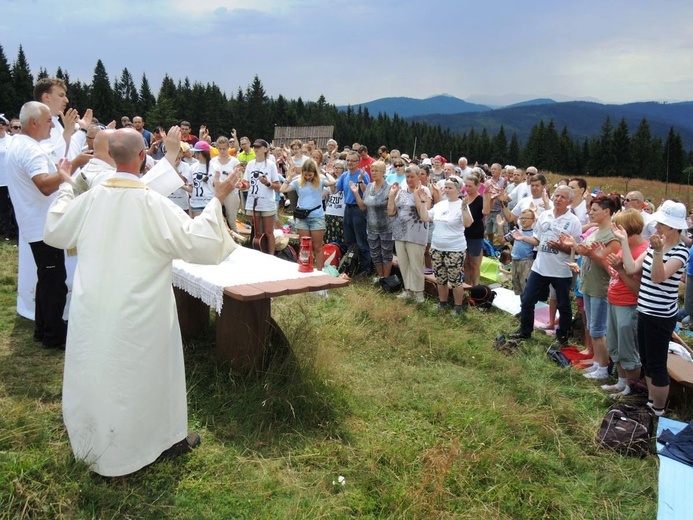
124, 395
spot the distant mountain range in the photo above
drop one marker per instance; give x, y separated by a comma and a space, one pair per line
583, 118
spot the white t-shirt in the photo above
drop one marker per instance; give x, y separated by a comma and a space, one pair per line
25, 159
4, 143
256, 190
55, 144
180, 197
335, 204
581, 212
448, 231
520, 192
526, 202
225, 169
551, 262
202, 181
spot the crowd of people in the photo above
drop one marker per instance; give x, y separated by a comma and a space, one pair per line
65, 179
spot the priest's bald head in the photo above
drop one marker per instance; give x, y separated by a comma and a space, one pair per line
126, 147
101, 145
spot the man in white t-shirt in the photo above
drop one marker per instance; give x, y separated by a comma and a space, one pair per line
579, 204
550, 267
63, 141
462, 168
33, 180
538, 200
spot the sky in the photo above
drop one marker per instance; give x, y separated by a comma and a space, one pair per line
353, 51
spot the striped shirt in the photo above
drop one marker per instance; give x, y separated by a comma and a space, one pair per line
662, 299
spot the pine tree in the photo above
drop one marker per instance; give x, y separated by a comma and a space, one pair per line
146, 99
126, 96
514, 150
8, 97
551, 149
500, 147
673, 157
641, 152
620, 147
260, 125
22, 80
102, 94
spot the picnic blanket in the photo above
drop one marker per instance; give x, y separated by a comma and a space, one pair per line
675, 479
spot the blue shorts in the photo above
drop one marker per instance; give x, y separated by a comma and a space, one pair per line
475, 246
596, 310
311, 223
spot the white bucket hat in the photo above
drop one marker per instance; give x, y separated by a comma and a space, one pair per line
672, 214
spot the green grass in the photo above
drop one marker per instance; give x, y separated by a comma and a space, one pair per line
414, 409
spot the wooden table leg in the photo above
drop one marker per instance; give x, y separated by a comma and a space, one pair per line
193, 314
242, 333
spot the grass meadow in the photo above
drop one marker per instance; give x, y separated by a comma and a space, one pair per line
414, 409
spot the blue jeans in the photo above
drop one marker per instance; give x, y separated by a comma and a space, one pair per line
536, 284
355, 233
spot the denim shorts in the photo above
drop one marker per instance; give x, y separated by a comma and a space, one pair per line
596, 310
311, 223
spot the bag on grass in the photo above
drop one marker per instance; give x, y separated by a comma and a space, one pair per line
626, 429
391, 284
481, 297
350, 262
507, 346
558, 357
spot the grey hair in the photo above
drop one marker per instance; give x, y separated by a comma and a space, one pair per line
567, 189
32, 110
340, 163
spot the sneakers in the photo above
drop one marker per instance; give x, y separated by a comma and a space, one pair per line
188, 444
419, 297
456, 311
598, 373
519, 335
442, 306
404, 295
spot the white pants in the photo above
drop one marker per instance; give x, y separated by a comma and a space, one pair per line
231, 204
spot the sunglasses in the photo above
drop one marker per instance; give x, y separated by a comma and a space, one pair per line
16, 127
399, 166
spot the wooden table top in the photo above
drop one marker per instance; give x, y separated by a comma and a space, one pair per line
264, 290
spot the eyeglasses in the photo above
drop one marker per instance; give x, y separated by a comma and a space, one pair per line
352, 161
526, 218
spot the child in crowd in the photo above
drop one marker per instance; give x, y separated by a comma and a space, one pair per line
523, 254
505, 273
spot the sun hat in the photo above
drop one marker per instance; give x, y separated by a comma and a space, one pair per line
405, 158
672, 214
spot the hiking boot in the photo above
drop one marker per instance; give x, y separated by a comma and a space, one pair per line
188, 444
519, 335
562, 340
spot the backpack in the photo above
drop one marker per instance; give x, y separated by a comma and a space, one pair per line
481, 297
332, 254
350, 262
626, 429
288, 254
